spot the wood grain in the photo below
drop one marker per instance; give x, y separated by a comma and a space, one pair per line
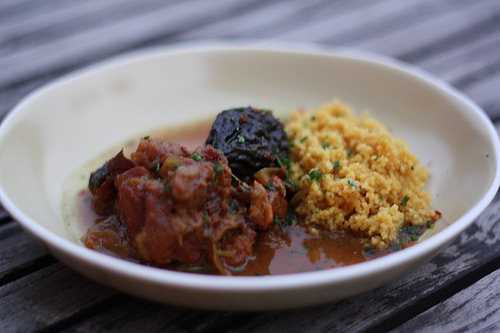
47, 297
429, 31
100, 41
20, 254
4, 216
474, 309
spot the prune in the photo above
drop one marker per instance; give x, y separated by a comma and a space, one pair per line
101, 182
251, 139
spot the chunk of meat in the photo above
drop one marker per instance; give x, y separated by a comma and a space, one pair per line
109, 236
151, 153
268, 202
176, 206
261, 210
181, 214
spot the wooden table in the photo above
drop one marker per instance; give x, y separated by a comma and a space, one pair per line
458, 41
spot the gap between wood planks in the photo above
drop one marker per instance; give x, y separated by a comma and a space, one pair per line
474, 309
431, 300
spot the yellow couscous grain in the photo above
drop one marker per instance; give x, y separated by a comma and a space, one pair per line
354, 175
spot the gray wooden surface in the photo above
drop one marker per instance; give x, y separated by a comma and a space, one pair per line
457, 40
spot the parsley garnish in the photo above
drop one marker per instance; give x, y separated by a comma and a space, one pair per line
206, 218
336, 165
325, 145
352, 183
290, 219
283, 162
233, 206
270, 187
276, 220
303, 139
240, 138
197, 157
157, 167
405, 200
218, 168
315, 175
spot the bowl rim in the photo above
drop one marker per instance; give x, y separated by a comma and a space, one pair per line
246, 284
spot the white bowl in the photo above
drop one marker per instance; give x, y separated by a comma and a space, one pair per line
58, 128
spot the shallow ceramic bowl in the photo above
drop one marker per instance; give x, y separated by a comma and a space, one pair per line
61, 126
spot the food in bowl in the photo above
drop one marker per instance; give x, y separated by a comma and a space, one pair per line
353, 175
326, 189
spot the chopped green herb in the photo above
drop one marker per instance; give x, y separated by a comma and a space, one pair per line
218, 168
313, 118
197, 157
270, 187
283, 162
157, 167
146, 137
369, 251
352, 183
240, 138
325, 145
303, 139
291, 144
206, 219
411, 233
349, 152
291, 218
405, 200
315, 175
276, 220
233, 206
336, 165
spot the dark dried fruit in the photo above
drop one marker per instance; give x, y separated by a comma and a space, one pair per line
251, 139
101, 182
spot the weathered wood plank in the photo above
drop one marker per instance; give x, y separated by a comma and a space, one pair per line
14, 9
46, 297
487, 90
20, 254
101, 41
462, 64
4, 216
371, 19
63, 52
478, 245
269, 21
402, 41
475, 309
67, 18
